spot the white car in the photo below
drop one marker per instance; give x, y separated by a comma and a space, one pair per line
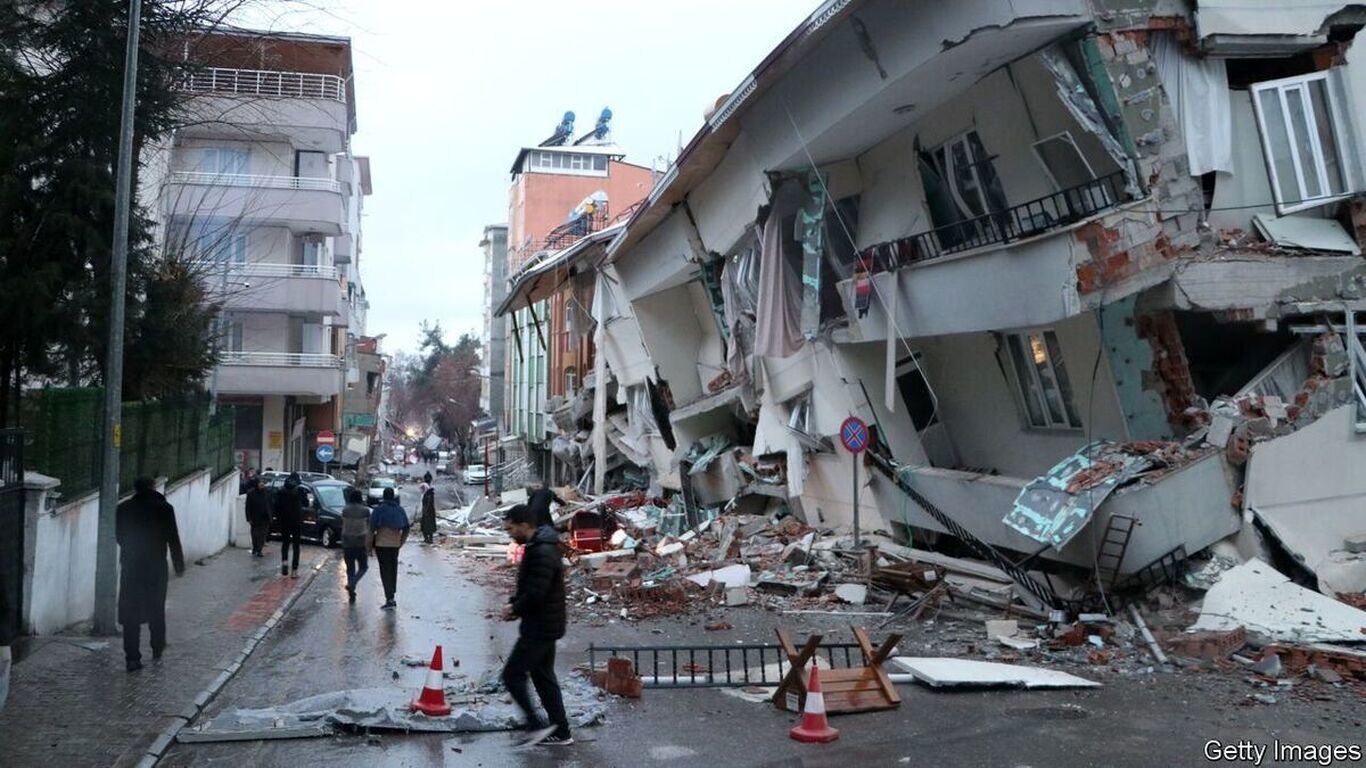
476, 474
374, 494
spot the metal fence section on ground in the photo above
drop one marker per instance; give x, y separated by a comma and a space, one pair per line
168, 438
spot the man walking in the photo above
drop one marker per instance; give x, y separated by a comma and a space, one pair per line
355, 540
258, 516
539, 603
389, 526
289, 517
145, 528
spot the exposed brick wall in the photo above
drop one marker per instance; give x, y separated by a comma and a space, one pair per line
1171, 376
1126, 243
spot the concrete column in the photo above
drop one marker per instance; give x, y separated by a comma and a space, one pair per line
39, 499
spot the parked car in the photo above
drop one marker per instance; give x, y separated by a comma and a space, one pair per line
322, 510
374, 493
476, 474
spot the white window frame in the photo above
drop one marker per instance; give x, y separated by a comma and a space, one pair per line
1034, 389
1065, 136
1342, 135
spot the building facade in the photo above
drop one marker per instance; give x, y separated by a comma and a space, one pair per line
493, 374
261, 191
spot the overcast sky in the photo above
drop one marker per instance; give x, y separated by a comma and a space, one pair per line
447, 92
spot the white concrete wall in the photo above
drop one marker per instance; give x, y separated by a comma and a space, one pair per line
661, 261
728, 201
979, 406
62, 580
273, 420
674, 338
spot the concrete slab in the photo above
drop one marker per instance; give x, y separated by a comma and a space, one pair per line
732, 576
967, 673
1258, 597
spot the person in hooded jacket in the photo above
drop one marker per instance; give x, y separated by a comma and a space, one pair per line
389, 526
145, 529
289, 518
539, 603
258, 516
428, 512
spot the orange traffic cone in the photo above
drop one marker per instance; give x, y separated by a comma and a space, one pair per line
432, 700
815, 728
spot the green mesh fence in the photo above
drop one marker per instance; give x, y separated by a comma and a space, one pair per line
161, 438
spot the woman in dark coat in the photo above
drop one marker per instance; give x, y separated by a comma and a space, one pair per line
145, 529
428, 513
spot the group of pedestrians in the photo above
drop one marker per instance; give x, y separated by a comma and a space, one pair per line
146, 532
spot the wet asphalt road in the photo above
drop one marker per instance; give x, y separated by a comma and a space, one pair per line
325, 645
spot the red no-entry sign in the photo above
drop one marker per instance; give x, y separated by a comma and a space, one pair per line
326, 437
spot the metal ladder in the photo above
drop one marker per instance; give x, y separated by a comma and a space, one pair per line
1113, 545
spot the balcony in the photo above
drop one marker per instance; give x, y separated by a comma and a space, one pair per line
297, 288
1019, 222
280, 373
309, 110
303, 204
343, 248
1018, 264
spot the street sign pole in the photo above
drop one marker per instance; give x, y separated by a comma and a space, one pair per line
854, 436
106, 549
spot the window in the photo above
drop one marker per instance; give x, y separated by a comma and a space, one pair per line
216, 241
571, 381
1063, 161
1041, 378
222, 160
961, 188
1304, 137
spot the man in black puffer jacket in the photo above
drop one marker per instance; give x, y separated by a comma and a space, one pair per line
539, 603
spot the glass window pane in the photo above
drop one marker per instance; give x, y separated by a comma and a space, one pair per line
1299, 123
1028, 392
600, 163
966, 180
1038, 355
1323, 122
1287, 188
1064, 383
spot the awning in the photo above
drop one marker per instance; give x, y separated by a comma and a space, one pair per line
539, 280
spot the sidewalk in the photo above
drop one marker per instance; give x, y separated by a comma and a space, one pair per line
72, 703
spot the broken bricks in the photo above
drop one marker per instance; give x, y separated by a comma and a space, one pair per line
619, 679
1208, 645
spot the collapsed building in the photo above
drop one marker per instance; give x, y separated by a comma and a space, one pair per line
1089, 269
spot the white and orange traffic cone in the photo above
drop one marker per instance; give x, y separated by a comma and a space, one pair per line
815, 728
432, 700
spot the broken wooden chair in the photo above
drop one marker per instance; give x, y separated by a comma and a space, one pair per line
847, 690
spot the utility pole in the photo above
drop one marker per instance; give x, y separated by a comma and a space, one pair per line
106, 550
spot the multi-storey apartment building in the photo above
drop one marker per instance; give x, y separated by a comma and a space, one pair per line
261, 189
493, 376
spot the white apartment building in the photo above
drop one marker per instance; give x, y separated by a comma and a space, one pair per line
261, 188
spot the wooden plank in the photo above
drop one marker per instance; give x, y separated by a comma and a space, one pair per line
875, 659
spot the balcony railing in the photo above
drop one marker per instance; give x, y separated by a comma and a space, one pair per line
287, 270
1035, 217
255, 180
261, 82
281, 359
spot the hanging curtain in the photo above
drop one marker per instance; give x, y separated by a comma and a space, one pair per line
777, 330
1198, 92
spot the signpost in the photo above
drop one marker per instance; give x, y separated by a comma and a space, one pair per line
854, 436
327, 441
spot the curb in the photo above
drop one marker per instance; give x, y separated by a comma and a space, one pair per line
167, 736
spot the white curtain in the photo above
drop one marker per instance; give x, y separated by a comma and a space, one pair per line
1198, 92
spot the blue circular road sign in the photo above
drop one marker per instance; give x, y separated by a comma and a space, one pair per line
854, 434
326, 453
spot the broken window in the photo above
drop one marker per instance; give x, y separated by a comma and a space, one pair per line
965, 176
1041, 378
1063, 161
1304, 136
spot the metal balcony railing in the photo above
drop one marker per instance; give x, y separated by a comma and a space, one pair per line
262, 82
1035, 217
287, 270
281, 359
256, 181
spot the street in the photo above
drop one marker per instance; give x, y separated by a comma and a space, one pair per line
327, 645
